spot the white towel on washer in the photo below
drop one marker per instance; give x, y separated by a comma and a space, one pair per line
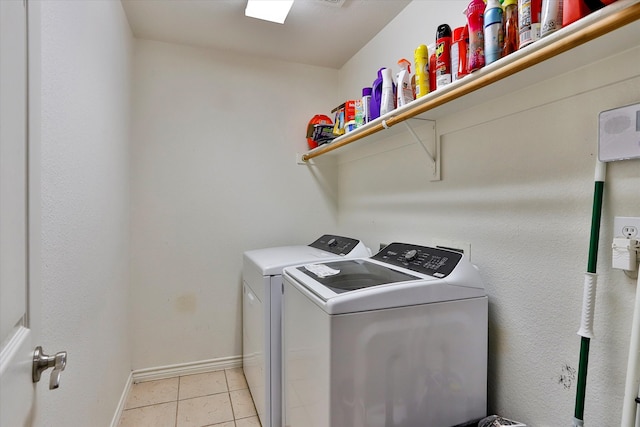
321, 270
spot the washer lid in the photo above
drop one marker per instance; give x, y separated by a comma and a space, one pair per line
400, 275
344, 276
271, 261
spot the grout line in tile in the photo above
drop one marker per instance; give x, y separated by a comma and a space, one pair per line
175, 422
229, 394
232, 411
226, 379
203, 395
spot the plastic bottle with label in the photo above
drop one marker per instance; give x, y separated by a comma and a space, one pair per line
572, 10
376, 96
403, 83
459, 54
387, 102
475, 22
529, 12
432, 67
421, 61
366, 105
443, 56
551, 17
493, 35
511, 33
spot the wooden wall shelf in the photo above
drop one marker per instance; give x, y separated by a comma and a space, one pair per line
609, 31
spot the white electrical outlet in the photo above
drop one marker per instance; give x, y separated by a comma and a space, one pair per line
626, 226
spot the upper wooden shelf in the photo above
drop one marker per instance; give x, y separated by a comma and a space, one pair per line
611, 30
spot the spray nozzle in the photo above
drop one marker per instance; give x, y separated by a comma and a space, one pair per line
405, 64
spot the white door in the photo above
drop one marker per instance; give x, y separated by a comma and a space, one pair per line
18, 238
16, 389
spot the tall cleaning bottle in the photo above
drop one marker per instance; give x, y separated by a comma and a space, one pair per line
511, 33
459, 53
493, 34
387, 101
403, 83
376, 96
529, 12
366, 104
432, 67
443, 56
551, 16
475, 22
421, 61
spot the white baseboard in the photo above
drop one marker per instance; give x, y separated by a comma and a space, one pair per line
123, 398
171, 371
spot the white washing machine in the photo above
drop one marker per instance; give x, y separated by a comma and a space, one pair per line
395, 340
261, 303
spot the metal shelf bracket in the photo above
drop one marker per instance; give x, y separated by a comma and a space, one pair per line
432, 151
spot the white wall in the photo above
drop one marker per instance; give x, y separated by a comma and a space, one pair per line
86, 50
213, 175
517, 184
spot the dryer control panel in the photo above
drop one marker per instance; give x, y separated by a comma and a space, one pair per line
435, 262
335, 244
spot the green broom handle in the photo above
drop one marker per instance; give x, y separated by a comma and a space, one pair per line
591, 268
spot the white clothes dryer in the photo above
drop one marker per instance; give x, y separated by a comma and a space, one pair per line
395, 340
261, 304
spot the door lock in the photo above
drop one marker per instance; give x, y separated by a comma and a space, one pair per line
42, 362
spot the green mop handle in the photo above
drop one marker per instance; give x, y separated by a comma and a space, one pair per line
589, 297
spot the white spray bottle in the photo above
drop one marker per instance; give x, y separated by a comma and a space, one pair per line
388, 99
403, 82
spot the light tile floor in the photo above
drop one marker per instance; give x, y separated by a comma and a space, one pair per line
219, 399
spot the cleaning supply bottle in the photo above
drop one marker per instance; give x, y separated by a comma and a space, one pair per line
511, 33
529, 21
376, 96
475, 21
551, 16
403, 83
443, 56
458, 54
387, 101
493, 35
572, 10
421, 61
465, 35
366, 104
432, 67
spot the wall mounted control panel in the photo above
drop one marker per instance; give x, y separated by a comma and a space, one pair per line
619, 134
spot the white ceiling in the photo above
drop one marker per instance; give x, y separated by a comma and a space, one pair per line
316, 32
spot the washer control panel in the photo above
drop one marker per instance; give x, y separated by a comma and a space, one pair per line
434, 262
335, 244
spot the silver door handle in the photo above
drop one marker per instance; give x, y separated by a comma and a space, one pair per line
42, 362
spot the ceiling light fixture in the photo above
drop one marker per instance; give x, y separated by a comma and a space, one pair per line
269, 10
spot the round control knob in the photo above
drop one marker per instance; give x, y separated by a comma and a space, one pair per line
331, 243
411, 255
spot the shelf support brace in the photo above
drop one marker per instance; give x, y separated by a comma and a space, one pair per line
417, 138
435, 159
